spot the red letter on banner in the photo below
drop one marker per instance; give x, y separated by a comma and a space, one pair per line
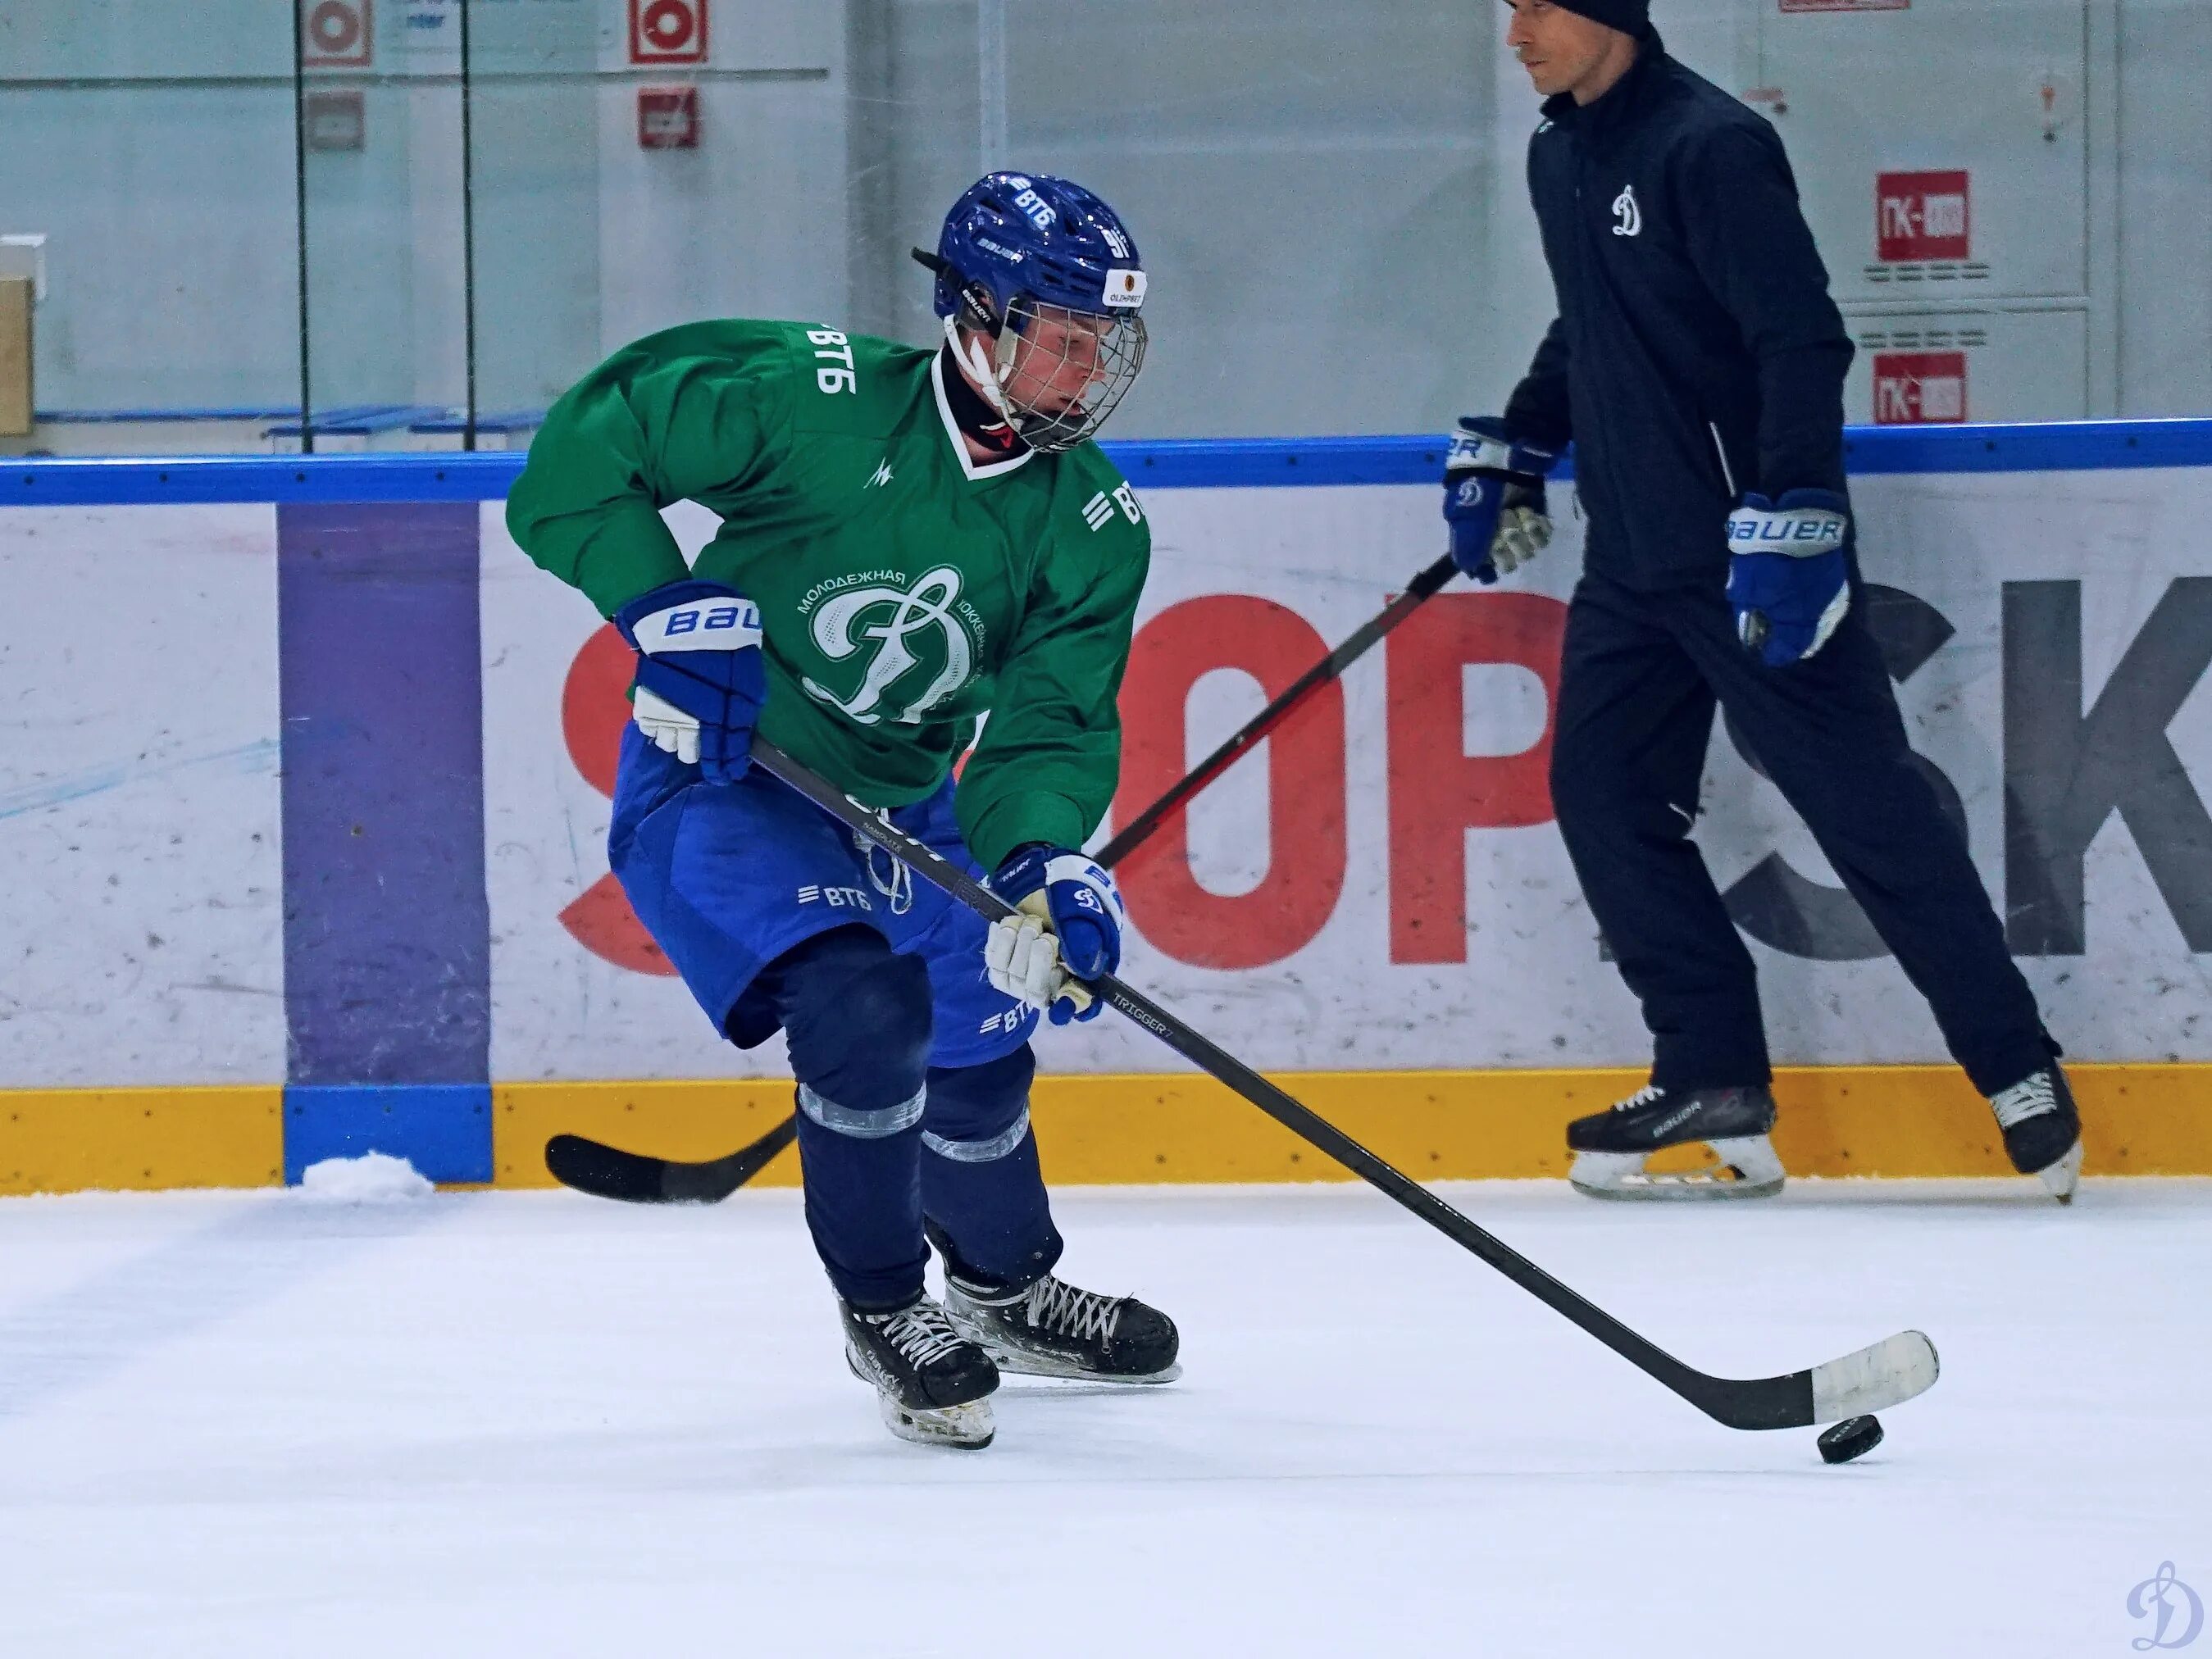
594, 710
1438, 791
1305, 784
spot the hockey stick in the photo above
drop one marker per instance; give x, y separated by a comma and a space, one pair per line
1872, 1379
1140, 830
592, 1166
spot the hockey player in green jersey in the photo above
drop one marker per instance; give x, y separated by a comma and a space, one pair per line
911, 540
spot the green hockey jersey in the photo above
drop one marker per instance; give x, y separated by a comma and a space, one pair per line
905, 589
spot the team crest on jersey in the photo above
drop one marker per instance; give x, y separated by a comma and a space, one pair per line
903, 627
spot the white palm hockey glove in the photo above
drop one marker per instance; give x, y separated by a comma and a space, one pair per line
1058, 896
1494, 498
699, 681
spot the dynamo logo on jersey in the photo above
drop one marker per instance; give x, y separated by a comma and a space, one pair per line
844, 625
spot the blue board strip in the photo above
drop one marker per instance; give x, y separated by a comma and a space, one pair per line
444, 1129
284, 479
1167, 463
387, 954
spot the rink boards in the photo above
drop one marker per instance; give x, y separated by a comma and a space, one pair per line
303, 800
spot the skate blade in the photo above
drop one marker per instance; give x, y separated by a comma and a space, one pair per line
963, 1428
1745, 1167
2062, 1173
1016, 1362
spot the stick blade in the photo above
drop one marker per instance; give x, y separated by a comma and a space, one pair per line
1892, 1372
603, 1171
606, 1171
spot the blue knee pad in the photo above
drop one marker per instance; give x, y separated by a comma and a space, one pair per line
981, 1187
857, 1018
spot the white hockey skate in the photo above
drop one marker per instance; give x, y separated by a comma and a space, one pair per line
1612, 1148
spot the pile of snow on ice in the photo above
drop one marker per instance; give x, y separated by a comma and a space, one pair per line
373, 1178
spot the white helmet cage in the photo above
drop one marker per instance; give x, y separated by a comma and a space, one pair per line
1024, 372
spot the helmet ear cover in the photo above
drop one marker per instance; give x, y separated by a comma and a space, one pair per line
977, 309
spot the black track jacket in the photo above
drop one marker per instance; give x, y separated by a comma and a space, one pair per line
1694, 318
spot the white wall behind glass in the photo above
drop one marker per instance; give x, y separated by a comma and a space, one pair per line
1331, 197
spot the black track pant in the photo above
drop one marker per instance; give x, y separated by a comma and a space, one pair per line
1638, 680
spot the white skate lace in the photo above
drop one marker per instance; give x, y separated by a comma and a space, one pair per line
1054, 1306
2031, 1096
1643, 1096
899, 887
921, 1334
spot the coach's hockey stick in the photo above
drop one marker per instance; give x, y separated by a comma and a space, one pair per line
592, 1166
1140, 829
1874, 1379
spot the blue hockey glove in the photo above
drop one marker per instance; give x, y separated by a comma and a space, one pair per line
1494, 498
1068, 928
1789, 581
700, 680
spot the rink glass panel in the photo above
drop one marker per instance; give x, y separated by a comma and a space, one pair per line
1330, 200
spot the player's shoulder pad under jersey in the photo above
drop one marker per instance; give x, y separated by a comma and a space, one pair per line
854, 384
1093, 504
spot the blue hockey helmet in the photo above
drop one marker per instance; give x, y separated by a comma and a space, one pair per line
1019, 251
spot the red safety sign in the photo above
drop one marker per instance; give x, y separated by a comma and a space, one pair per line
335, 33
1921, 215
667, 31
668, 117
1919, 388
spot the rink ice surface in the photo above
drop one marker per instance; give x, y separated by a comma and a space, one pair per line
533, 1424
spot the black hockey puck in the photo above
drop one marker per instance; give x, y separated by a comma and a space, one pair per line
1855, 1437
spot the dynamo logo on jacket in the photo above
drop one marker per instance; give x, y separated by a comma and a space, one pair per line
1625, 210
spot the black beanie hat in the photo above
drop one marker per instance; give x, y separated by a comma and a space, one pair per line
1629, 16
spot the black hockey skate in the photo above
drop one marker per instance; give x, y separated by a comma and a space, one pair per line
935, 1384
1611, 1147
2042, 1129
1050, 1328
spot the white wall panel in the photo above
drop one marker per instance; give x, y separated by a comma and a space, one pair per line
140, 867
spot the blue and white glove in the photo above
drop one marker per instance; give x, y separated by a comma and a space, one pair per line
1067, 929
1494, 498
1789, 579
700, 679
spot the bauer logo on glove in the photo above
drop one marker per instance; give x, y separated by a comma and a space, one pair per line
1790, 579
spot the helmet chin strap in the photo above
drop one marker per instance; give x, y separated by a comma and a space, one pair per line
989, 371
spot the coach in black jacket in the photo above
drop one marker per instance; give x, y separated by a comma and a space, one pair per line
1697, 365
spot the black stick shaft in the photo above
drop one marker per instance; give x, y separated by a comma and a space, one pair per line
468, 233
300, 208
1686, 1381
1141, 827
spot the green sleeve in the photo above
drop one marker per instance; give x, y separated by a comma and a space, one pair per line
1051, 752
702, 413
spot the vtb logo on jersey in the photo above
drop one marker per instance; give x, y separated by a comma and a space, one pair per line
891, 617
1629, 215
